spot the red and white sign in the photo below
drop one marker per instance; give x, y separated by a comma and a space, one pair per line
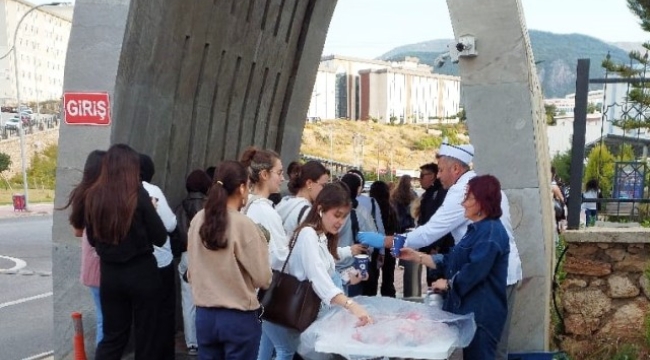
82, 108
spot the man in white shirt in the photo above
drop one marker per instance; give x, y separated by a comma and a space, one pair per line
454, 173
164, 259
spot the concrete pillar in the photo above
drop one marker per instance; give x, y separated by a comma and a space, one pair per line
92, 64
505, 116
191, 83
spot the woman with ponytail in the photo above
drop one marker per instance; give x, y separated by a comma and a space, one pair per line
228, 261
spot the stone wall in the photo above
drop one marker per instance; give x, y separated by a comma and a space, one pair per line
35, 142
606, 294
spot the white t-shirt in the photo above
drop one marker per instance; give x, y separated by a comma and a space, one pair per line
163, 254
261, 211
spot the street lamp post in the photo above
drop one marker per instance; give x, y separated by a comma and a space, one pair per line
21, 130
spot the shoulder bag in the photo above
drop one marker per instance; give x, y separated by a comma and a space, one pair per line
288, 301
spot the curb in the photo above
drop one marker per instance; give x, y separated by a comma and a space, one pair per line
40, 209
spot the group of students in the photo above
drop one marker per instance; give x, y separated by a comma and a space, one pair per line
236, 236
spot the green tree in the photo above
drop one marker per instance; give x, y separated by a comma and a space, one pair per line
549, 110
638, 95
5, 163
591, 108
600, 166
625, 153
42, 171
562, 164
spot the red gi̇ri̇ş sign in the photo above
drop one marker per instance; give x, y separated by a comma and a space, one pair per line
81, 108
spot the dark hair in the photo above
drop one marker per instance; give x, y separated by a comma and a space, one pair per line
403, 192
147, 168
311, 170
293, 169
353, 182
487, 192
92, 168
592, 184
332, 196
433, 167
358, 172
111, 201
228, 178
257, 160
198, 181
210, 171
380, 191
275, 198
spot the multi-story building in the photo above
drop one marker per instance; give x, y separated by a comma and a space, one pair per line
408, 92
402, 91
41, 45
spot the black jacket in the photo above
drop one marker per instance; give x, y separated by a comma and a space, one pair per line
146, 230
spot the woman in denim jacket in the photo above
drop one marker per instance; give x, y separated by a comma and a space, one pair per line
476, 268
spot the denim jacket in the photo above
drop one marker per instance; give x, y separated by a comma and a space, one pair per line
477, 268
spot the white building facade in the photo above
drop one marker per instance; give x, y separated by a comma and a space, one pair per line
41, 46
360, 89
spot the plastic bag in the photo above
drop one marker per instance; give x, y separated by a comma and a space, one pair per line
401, 329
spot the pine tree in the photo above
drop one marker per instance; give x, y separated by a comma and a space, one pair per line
600, 166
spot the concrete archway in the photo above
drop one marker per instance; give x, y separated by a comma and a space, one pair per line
193, 82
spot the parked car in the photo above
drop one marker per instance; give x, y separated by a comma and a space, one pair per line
12, 124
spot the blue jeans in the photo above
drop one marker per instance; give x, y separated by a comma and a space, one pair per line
99, 333
284, 340
227, 333
591, 217
266, 347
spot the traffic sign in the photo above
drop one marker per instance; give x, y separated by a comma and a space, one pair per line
83, 108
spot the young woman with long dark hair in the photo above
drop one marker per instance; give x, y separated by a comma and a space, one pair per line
313, 258
89, 274
122, 224
228, 261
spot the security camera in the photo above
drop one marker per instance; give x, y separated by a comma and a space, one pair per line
466, 46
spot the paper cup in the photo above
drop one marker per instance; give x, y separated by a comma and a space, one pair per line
398, 244
361, 263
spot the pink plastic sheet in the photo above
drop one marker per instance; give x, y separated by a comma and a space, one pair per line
401, 329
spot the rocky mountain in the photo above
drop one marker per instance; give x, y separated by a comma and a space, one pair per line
556, 56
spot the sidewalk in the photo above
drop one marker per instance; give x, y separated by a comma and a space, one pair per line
42, 209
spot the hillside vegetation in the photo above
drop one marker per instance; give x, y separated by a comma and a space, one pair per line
410, 145
556, 56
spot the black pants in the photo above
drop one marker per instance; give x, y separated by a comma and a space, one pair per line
130, 294
387, 275
166, 315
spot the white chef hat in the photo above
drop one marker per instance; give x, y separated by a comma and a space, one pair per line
464, 153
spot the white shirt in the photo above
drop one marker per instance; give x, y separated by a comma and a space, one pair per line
163, 253
310, 260
261, 211
590, 194
450, 217
367, 202
289, 209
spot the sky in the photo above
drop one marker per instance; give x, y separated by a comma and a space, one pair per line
369, 28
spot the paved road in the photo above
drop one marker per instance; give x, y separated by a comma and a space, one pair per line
25, 287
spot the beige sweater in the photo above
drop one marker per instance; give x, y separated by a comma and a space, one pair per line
228, 278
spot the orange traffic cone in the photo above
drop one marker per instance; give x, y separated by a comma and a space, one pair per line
78, 339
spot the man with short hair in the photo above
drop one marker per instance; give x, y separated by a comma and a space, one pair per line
454, 173
433, 197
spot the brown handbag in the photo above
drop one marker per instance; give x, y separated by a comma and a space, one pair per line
288, 301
